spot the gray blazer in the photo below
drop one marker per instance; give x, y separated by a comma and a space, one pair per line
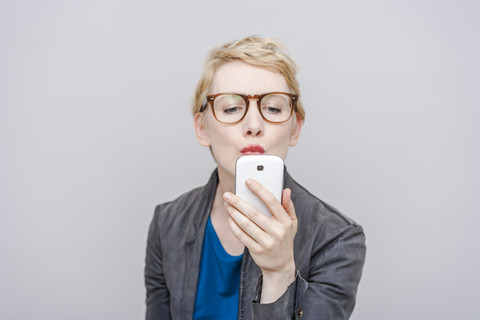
329, 256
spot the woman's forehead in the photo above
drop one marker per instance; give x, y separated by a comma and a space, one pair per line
241, 77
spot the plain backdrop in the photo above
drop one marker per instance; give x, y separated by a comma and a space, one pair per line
95, 130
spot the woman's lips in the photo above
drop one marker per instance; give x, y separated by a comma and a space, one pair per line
252, 149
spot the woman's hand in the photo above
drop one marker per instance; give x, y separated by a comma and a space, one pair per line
269, 240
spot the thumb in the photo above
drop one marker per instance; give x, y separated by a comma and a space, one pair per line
288, 204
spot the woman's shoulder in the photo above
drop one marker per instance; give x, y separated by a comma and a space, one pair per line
181, 203
190, 206
309, 206
320, 224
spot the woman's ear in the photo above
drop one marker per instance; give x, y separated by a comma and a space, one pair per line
201, 133
296, 128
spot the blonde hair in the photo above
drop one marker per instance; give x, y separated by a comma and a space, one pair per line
262, 52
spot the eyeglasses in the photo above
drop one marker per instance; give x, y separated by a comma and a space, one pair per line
275, 107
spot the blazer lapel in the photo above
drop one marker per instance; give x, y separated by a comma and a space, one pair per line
193, 246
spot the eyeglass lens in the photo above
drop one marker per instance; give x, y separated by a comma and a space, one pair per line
231, 107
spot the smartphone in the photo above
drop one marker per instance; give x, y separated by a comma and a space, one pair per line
267, 170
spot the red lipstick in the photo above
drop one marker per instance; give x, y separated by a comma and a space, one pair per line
252, 149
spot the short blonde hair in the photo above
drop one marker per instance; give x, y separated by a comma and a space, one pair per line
262, 52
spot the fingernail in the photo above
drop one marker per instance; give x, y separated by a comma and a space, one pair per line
227, 196
248, 181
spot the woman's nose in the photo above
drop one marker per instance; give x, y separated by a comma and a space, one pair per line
253, 122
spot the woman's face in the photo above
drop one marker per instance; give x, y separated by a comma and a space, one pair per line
252, 135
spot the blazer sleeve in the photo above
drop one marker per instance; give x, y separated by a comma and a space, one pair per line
331, 286
158, 296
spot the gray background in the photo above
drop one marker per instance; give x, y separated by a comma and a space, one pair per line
95, 130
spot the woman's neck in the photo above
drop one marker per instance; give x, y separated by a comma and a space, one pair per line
226, 182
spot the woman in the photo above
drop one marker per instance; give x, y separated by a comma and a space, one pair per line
210, 255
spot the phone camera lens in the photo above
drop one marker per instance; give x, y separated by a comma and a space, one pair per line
260, 167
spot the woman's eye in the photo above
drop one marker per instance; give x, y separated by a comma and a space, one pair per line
270, 109
232, 109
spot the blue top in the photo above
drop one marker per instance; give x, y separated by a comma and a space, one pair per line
219, 280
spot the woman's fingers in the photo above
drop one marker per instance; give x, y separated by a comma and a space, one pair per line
272, 203
287, 204
261, 220
251, 228
257, 231
270, 240
252, 244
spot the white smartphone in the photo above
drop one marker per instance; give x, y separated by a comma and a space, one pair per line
266, 169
